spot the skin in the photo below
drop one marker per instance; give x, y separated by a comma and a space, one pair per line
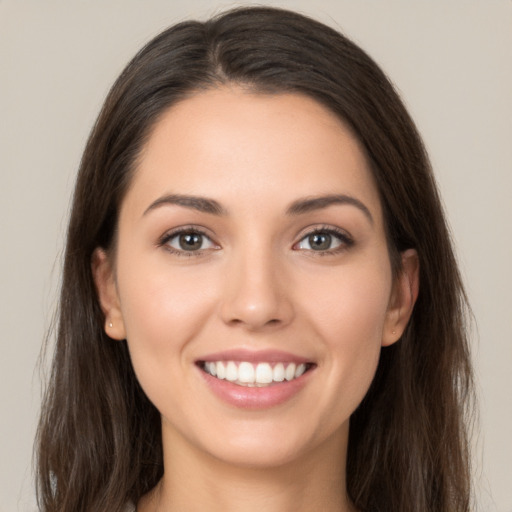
256, 284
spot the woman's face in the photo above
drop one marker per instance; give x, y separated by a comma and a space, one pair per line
251, 250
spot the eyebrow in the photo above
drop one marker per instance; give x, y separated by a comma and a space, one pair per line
310, 204
201, 204
298, 207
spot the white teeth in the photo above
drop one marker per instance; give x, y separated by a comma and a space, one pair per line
231, 372
278, 372
300, 370
248, 374
212, 368
289, 374
221, 370
263, 373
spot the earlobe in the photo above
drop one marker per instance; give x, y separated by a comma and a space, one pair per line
106, 289
403, 298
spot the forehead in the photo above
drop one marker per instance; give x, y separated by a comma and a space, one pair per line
232, 144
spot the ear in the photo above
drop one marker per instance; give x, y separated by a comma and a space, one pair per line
403, 297
106, 288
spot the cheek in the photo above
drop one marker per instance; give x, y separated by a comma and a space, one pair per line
350, 304
162, 310
348, 314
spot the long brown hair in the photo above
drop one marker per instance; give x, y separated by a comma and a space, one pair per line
99, 440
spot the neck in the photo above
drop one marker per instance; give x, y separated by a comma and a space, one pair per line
194, 480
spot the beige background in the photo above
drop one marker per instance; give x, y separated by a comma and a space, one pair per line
452, 62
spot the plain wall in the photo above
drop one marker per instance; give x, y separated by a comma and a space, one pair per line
450, 59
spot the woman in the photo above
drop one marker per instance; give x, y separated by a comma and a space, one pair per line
260, 305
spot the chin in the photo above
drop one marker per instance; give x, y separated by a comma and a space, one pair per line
254, 455
267, 445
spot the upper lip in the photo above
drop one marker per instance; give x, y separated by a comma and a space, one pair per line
255, 356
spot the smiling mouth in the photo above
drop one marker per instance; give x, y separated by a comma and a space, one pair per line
264, 374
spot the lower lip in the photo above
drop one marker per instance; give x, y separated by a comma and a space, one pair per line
252, 397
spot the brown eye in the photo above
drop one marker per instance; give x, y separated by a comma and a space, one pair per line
190, 241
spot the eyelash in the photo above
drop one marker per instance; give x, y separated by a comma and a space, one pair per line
186, 230
342, 236
345, 239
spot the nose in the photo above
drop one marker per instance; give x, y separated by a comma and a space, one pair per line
257, 294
